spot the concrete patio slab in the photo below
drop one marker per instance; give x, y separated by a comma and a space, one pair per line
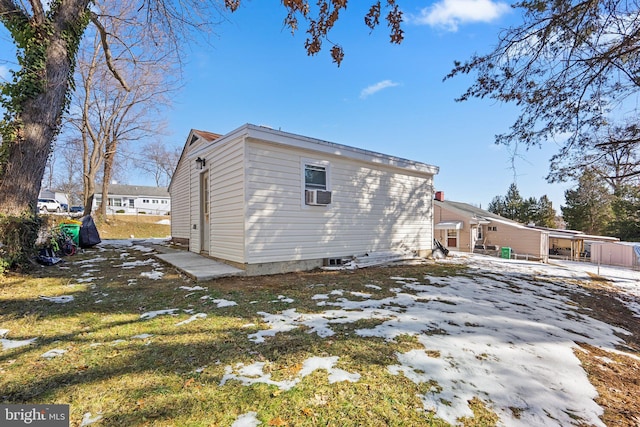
198, 267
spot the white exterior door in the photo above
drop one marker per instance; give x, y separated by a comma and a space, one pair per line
204, 213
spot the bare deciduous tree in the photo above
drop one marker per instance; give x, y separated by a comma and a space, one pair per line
107, 114
47, 36
613, 154
68, 176
572, 67
160, 162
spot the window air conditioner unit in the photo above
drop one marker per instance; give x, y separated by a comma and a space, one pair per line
317, 197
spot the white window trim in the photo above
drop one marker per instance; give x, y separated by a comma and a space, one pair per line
304, 161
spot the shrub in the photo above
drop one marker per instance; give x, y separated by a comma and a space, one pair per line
19, 234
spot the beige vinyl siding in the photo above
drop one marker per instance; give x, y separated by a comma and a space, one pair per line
180, 207
373, 208
464, 234
181, 188
227, 201
521, 240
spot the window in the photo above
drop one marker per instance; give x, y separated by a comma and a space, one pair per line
114, 202
164, 202
131, 202
315, 177
492, 228
479, 232
145, 200
452, 238
154, 201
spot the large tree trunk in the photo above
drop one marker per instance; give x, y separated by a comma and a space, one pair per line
109, 156
34, 106
37, 114
39, 120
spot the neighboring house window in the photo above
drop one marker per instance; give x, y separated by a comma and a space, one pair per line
154, 201
117, 202
164, 202
315, 177
452, 238
493, 228
131, 203
145, 200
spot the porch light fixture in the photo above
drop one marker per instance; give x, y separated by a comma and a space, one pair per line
201, 162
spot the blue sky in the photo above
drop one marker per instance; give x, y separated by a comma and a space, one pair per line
384, 97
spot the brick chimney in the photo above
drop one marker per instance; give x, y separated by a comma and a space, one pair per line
440, 196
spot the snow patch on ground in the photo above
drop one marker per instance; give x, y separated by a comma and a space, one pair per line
220, 303
56, 352
505, 333
249, 419
192, 318
8, 344
193, 288
152, 314
153, 275
62, 299
254, 373
87, 419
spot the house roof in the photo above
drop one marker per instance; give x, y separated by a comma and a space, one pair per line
299, 141
135, 190
209, 136
471, 211
195, 135
481, 214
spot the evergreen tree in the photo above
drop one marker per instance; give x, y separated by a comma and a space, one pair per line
626, 212
497, 206
528, 211
513, 206
513, 203
545, 213
588, 207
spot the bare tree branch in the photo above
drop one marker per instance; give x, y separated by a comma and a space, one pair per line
107, 51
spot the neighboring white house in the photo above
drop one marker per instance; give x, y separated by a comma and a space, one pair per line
271, 201
135, 199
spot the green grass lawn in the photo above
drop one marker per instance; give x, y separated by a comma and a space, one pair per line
132, 371
134, 343
118, 226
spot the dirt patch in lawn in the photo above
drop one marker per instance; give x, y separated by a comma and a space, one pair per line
616, 376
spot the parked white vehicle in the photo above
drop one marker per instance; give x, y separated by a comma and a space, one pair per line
49, 205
